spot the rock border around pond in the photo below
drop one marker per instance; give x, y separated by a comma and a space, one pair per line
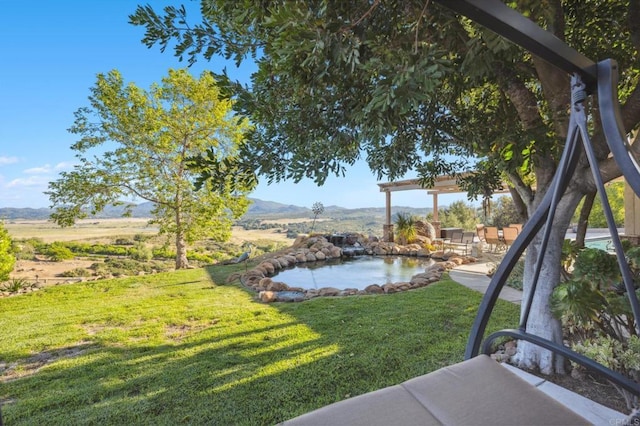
317, 248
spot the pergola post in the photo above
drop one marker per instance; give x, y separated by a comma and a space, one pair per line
631, 215
436, 220
387, 231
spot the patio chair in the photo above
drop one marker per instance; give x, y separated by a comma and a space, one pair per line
509, 235
492, 237
480, 232
479, 390
462, 240
518, 226
454, 239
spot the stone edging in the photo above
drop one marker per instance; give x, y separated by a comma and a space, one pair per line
311, 249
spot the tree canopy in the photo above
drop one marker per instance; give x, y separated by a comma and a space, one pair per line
140, 144
406, 85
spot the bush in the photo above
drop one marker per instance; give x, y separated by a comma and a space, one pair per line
163, 253
120, 266
623, 357
58, 252
140, 238
123, 242
516, 278
199, 257
14, 285
406, 228
77, 272
596, 314
24, 250
141, 252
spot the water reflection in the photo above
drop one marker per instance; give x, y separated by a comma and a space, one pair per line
354, 272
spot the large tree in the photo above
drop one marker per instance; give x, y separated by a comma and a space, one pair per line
137, 143
407, 84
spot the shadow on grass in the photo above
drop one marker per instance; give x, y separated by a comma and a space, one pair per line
244, 362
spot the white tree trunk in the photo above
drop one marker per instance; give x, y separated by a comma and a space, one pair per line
181, 245
541, 322
181, 252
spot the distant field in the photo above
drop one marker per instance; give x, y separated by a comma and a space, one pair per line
95, 229
87, 229
240, 235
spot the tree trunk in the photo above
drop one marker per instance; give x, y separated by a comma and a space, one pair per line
181, 252
583, 221
181, 245
541, 322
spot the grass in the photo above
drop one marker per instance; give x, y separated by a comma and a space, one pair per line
180, 348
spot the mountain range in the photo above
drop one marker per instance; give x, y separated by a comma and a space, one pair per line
258, 208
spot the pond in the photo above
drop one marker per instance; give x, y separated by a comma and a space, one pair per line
354, 272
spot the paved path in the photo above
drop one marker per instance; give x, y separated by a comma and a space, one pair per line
474, 276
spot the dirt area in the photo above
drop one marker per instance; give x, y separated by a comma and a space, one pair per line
598, 390
240, 235
45, 271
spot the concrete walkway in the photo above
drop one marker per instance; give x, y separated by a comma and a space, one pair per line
474, 276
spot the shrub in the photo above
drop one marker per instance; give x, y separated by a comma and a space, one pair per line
596, 314
140, 238
406, 228
163, 253
58, 252
200, 257
623, 357
77, 272
14, 285
597, 266
516, 278
24, 250
141, 252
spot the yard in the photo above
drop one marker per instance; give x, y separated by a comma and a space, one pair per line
184, 347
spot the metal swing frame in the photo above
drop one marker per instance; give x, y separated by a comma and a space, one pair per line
588, 78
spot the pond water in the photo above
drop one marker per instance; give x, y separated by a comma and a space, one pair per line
354, 272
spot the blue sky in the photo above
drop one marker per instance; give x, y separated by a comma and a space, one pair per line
51, 52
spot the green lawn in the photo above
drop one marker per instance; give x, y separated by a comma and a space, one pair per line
183, 348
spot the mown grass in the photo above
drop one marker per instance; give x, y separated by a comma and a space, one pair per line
181, 348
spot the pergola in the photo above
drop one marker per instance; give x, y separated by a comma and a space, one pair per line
448, 185
442, 185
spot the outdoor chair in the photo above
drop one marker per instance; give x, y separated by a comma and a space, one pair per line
518, 226
492, 237
479, 390
509, 235
461, 240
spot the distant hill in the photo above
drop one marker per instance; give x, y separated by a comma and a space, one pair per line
12, 213
258, 208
